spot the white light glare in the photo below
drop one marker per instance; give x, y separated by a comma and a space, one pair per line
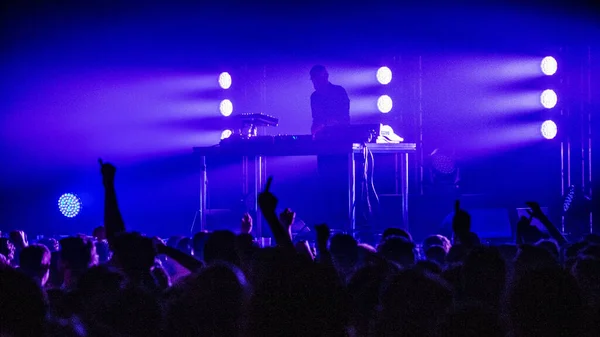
549, 129
548, 99
225, 80
549, 65
384, 104
226, 107
384, 75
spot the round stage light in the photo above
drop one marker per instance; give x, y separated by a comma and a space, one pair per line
69, 205
225, 80
226, 134
549, 65
443, 162
548, 99
384, 104
549, 129
226, 107
384, 75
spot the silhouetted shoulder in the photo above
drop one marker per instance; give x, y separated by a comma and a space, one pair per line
339, 91
339, 88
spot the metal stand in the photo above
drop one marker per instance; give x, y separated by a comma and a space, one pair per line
351, 194
203, 189
259, 178
404, 187
259, 174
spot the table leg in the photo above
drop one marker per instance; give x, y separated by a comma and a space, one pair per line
351, 194
404, 188
203, 188
258, 183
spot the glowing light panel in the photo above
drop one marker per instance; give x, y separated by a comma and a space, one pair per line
384, 104
384, 75
225, 80
69, 205
226, 107
549, 129
549, 65
548, 99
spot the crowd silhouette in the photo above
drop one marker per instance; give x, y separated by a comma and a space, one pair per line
120, 283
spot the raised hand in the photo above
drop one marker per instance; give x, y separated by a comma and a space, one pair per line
323, 234
266, 200
287, 218
461, 223
535, 210
246, 225
108, 172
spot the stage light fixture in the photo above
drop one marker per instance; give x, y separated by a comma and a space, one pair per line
384, 75
548, 99
549, 129
549, 65
69, 205
443, 171
225, 80
226, 134
442, 162
226, 107
384, 104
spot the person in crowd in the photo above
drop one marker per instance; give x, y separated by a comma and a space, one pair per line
231, 287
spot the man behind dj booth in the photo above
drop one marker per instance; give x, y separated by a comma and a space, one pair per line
330, 107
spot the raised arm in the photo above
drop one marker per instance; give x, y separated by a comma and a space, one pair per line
268, 203
536, 212
113, 221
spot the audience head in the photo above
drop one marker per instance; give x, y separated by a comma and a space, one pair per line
198, 242
533, 258
344, 250
77, 254
551, 246
411, 303
436, 254
99, 233
134, 253
546, 302
220, 246
35, 262
389, 232
437, 240
209, 303
429, 266
185, 246
22, 309
398, 249
483, 276
591, 250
